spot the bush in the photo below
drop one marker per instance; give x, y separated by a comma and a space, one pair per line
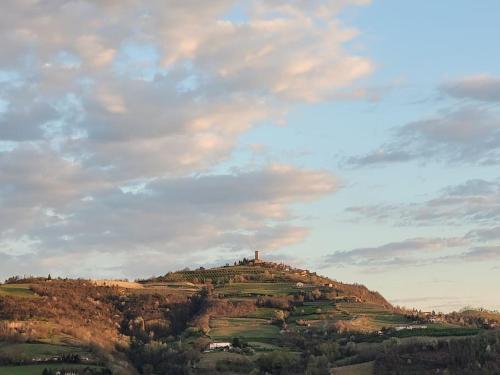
277, 362
242, 365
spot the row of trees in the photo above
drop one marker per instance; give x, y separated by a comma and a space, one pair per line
472, 355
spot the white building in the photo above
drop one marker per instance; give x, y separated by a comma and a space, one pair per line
219, 345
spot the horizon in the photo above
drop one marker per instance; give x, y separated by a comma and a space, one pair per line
358, 139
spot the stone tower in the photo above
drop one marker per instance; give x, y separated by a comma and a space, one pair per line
257, 256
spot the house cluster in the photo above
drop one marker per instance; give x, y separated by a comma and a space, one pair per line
349, 299
432, 317
410, 327
213, 346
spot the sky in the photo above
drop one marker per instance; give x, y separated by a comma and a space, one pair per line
357, 138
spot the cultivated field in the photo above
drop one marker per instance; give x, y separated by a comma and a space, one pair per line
258, 289
358, 369
250, 329
37, 369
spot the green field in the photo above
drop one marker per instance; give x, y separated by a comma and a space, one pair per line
40, 350
377, 315
258, 289
208, 361
261, 313
315, 311
311, 308
357, 369
438, 331
16, 290
37, 369
213, 273
248, 328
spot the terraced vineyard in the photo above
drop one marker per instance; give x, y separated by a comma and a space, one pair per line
213, 273
377, 316
250, 329
258, 289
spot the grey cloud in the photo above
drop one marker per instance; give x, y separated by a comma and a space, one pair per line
485, 234
34, 180
473, 202
380, 156
466, 135
413, 253
25, 114
407, 252
475, 187
480, 87
482, 253
244, 210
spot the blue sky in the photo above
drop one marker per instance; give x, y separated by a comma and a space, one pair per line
358, 138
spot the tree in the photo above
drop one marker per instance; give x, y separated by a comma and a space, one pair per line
277, 362
279, 315
239, 343
317, 365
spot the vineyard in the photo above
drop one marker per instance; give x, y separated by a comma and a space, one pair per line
219, 274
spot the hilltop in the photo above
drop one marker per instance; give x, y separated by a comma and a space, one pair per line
251, 272
249, 317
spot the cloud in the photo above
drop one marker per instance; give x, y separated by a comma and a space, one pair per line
184, 215
474, 202
403, 253
415, 252
118, 116
466, 135
245, 210
485, 234
482, 253
479, 87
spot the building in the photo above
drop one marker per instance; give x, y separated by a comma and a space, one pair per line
257, 256
410, 327
219, 345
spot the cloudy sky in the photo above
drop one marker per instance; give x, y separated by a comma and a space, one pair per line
358, 138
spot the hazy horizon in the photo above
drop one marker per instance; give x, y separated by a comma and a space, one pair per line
356, 138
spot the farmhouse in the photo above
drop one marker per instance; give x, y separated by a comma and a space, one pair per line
410, 327
219, 345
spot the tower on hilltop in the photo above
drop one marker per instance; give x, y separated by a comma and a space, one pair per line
257, 256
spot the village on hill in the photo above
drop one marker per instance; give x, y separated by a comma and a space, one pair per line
254, 316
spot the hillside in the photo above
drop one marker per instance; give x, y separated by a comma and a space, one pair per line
262, 316
247, 273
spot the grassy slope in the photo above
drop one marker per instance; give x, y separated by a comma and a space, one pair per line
37, 369
16, 290
250, 329
208, 361
257, 288
358, 369
30, 350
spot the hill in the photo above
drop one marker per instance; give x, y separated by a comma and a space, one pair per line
250, 317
